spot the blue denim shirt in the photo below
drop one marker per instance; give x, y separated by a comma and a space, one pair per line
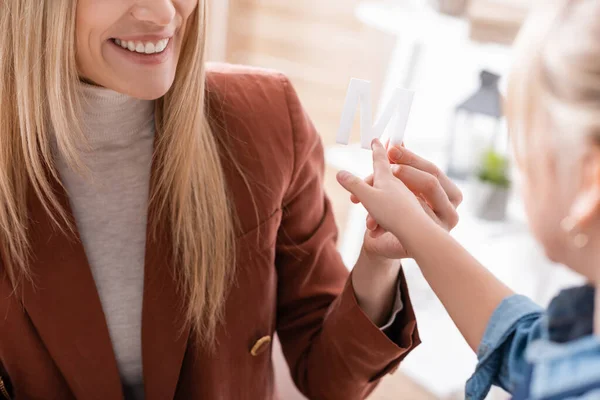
540, 355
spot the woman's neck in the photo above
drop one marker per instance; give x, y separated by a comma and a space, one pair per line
109, 117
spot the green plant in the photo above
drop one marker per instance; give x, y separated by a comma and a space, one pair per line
494, 169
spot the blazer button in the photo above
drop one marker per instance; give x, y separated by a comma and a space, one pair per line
260, 346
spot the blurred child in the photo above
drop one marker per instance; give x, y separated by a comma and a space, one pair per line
553, 111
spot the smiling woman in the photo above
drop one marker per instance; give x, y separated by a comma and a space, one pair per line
103, 26
159, 222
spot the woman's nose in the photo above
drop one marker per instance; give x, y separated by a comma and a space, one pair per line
158, 12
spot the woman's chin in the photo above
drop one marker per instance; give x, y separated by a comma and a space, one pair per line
151, 91
150, 88
150, 94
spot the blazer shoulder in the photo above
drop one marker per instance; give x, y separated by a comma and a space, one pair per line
249, 110
216, 70
247, 88
253, 107
262, 101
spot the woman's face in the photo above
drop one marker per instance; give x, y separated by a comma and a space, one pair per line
131, 46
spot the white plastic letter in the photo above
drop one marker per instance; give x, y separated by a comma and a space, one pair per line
359, 91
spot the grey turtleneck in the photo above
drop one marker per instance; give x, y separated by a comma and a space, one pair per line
110, 209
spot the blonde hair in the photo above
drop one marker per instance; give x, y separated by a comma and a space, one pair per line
557, 76
38, 98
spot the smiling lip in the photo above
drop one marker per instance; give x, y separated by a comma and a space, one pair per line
145, 38
144, 59
154, 37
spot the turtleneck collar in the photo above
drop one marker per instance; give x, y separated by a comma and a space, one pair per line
112, 119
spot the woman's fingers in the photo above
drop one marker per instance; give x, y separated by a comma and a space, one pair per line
430, 189
402, 156
371, 223
379, 231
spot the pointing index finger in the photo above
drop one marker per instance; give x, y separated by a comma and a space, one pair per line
381, 164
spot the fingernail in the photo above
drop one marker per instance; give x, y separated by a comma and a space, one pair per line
343, 175
374, 143
395, 153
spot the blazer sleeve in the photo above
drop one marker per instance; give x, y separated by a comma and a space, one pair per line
332, 348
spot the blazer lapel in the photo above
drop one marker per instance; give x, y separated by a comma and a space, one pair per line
164, 331
65, 308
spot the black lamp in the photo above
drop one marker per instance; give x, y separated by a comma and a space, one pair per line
479, 116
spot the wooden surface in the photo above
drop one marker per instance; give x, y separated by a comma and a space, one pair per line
497, 21
320, 45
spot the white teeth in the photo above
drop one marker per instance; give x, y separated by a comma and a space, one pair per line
161, 45
143, 48
149, 48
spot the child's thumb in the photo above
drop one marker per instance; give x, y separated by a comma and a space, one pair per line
353, 184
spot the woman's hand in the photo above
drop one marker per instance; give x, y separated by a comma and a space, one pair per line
437, 194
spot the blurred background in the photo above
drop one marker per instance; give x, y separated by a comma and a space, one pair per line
455, 54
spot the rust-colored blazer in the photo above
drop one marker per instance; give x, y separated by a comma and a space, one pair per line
290, 280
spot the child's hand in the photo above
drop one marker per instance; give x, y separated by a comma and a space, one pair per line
439, 196
394, 205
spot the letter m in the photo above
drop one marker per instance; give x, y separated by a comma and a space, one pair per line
359, 92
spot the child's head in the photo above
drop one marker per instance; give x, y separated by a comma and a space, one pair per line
553, 110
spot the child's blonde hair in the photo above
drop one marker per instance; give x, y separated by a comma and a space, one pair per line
556, 75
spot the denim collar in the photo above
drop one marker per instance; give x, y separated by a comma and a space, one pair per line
571, 314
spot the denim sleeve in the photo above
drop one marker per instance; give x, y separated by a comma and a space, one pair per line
513, 326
